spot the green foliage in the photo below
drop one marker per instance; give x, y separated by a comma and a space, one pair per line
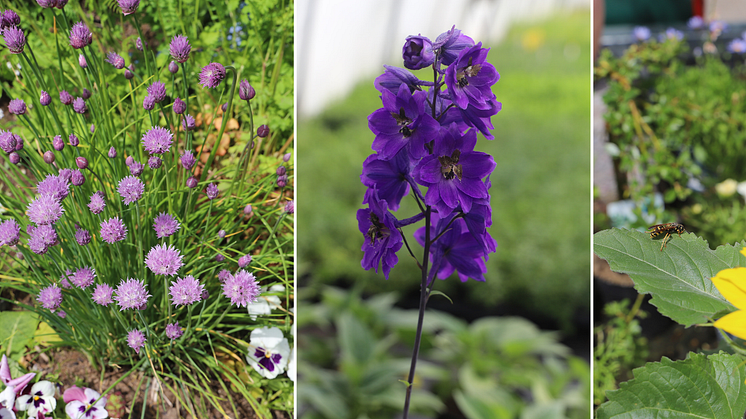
16, 332
618, 346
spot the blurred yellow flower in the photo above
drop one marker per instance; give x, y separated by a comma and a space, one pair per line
732, 285
726, 188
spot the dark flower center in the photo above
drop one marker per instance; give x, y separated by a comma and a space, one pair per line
403, 121
377, 230
449, 166
468, 71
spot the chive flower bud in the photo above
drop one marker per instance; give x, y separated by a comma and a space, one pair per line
112, 152
80, 36
179, 106
66, 98
212, 75
82, 162
262, 131
14, 157
48, 157
173, 67
245, 91
45, 99
180, 48
57, 143
191, 182
82, 62
79, 105
74, 141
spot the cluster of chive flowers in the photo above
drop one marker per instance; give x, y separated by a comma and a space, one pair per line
425, 135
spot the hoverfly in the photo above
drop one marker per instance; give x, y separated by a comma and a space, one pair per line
667, 229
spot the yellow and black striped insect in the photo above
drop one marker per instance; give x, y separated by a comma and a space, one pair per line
668, 229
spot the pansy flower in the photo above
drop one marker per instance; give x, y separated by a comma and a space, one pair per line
269, 351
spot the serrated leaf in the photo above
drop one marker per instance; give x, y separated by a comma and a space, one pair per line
678, 278
698, 387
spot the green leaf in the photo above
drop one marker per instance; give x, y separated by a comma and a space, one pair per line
436, 292
678, 278
16, 328
698, 387
355, 339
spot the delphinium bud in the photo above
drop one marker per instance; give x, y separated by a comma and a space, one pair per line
57, 143
244, 261
79, 105
262, 131
148, 103
188, 160
74, 141
14, 39
14, 157
82, 162
158, 91
212, 191
173, 67
17, 107
45, 99
129, 6
136, 168
139, 44
180, 48
191, 182
245, 91
418, 52
188, 123
66, 98
80, 36
116, 60
86, 94
48, 157
286, 158
112, 152
212, 75
128, 74
82, 62
221, 234
155, 162
78, 178
179, 106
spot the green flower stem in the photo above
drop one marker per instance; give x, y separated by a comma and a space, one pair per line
186, 100
206, 228
144, 46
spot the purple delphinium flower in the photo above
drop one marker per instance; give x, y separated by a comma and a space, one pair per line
403, 121
289, 207
74, 141
77, 178
641, 33
173, 331
481, 119
695, 22
188, 123
245, 91
391, 178
79, 105
224, 275
41, 238
212, 191
164, 260
173, 68
102, 294
80, 36
50, 297
7, 141
382, 238
157, 140
66, 98
83, 277
180, 48
129, 6
136, 168
45, 99
135, 340
17, 107
241, 288
97, 203
158, 91
188, 160
244, 261
155, 162
130, 189
211, 75
131, 294
10, 233
82, 62
113, 230
115, 59
185, 291
394, 77
179, 106
14, 39
450, 44
83, 237
148, 103
165, 225
470, 78
112, 152
418, 52
45, 209
54, 185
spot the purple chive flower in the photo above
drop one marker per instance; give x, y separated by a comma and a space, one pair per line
165, 225
7, 141
74, 141
83, 237
382, 238
128, 74
66, 174
80, 36
157, 140
45, 99
173, 67
17, 107
77, 178
418, 52
155, 162
191, 182
188, 123
82, 62
14, 39
79, 105
286, 157
248, 210
241, 288
48, 157
221, 234
66, 98
185, 291
14, 157
211, 75
179, 106
131, 294
139, 44
164, 260
180, 48
219, 258
102, 294
93, 128
173, 331
244, 261
83, 277
212, 191
262, 131
130, 189
19, 142
157, 90
129, 6
54, 185
63, 279
113, 230
10, 18
112, 152
282, 181
281, 171
97, 203
10, 233
61, 314
135, 340
148, 103
41, 238
224, 275
470, 78
289, 207
50, 297
116, 60
245, 91
188, 160
46, 3
86, 94
45, 209
136, 168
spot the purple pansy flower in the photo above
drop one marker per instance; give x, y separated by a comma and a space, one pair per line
269, 352
84, 404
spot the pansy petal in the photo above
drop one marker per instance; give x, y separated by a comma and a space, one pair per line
732, 285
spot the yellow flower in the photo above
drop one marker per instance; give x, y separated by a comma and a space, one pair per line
732, 285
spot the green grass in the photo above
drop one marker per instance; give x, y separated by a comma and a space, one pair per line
540, 188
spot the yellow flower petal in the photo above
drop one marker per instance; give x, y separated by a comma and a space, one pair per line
732, 284
733, 323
